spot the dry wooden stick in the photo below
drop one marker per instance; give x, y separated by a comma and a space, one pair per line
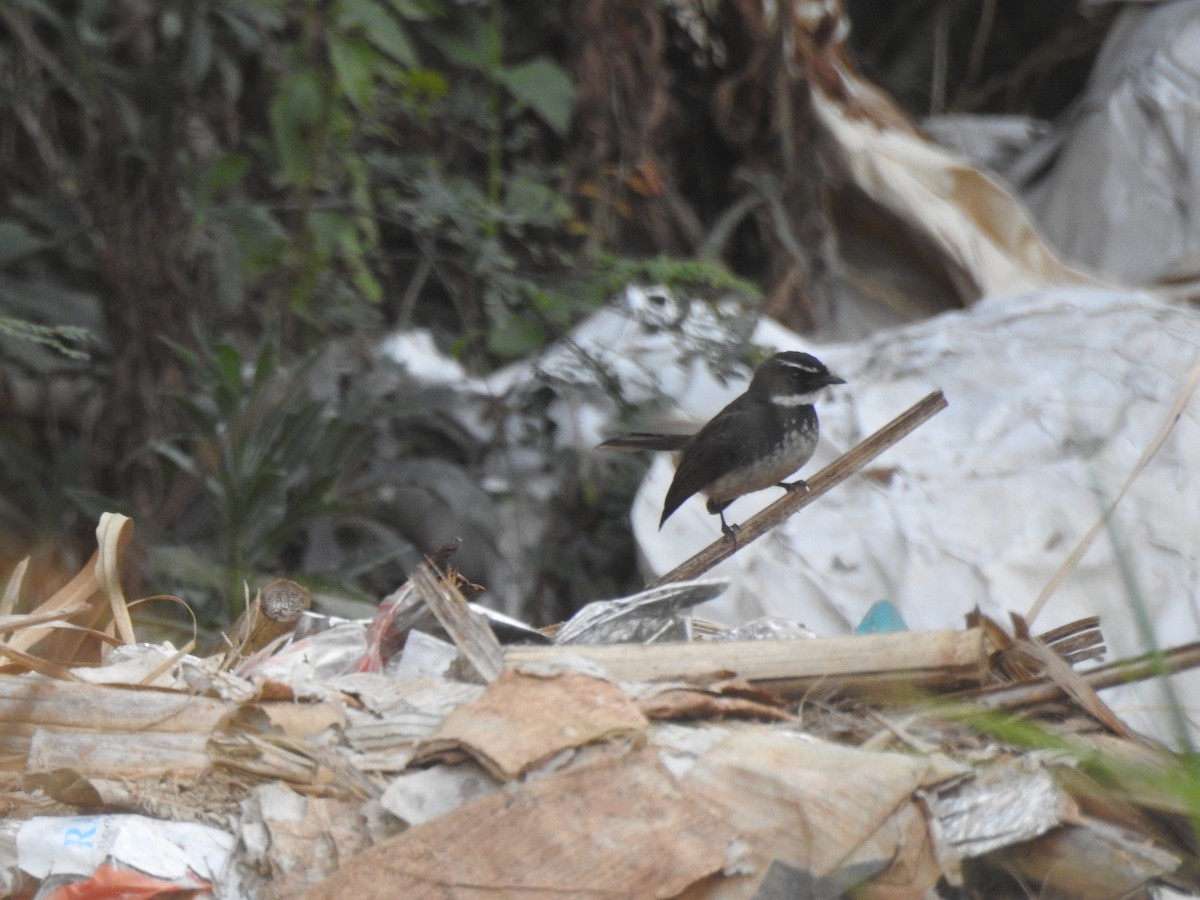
274, 612
793, 501
470, 631
1127, 671
908, 659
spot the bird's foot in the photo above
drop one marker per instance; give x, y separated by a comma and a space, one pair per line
730, 531
798, 485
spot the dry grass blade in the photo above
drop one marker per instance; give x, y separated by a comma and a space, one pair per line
16, 621
1071, 682
828, 478
35, 664
12, 590
93, 598
113, 535
1090, 538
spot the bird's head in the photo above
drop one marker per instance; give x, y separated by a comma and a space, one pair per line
792, 378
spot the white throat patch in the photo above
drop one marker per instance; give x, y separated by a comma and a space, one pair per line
796, 399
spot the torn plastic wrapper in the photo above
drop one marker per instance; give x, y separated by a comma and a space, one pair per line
647, 617
1012, 814
184, 855
423, 656
1006, 803
325, 647
426, 794
765, 628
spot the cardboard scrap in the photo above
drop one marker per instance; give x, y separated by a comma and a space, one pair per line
621, 827
296, 720
818, 807
1091, 859
708, 698
522, 720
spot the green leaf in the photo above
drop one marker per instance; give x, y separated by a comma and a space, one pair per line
545, 88
355, 258
381, 28
294, 109
259, 238
226, 171
422, 87
328, 229
529, 201
229, 367
417, 10
355, 63
359, 172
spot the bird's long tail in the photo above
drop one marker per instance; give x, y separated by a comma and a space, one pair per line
645, 440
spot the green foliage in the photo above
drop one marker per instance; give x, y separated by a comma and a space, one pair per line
271, 459
66, 339
684, 276
358, 97
313, 164
1170, 782
362, 125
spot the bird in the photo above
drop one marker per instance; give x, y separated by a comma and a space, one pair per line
760, 438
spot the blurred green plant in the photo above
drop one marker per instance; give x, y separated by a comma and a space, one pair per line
403, 115
320, 165
271, 460
69, 340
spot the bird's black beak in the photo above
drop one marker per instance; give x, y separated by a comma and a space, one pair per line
834, 379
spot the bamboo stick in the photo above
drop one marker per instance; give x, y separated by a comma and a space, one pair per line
78, 706
915, 658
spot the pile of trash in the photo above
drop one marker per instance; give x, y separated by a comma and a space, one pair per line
444, 749
441, 749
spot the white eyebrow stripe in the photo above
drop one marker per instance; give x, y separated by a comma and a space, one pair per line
801, 366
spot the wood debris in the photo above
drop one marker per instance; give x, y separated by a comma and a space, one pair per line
885, 764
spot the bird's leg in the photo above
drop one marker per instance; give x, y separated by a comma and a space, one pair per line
798, 484
730, 531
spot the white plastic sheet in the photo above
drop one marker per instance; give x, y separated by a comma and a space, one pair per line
1116, 186
1053, 398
